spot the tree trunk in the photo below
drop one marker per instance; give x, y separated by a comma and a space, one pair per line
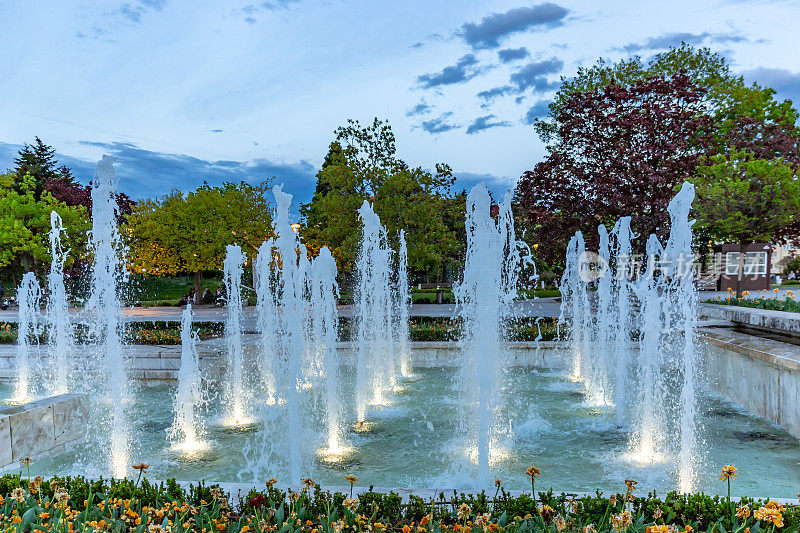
198, 288
740, 273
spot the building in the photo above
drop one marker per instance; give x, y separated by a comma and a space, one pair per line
757, 266
781, 255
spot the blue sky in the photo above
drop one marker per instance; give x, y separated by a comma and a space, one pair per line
185, 91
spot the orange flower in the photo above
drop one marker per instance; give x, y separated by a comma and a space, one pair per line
728, 472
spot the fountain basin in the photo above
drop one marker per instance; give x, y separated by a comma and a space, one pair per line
42, 428
411, 441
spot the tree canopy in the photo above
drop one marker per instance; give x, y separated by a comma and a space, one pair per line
188, 232
25, 224
362, 164
621, 137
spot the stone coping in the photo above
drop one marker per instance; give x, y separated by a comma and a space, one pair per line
763, 318
775, 353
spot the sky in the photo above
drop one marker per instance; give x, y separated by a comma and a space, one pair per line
184, 91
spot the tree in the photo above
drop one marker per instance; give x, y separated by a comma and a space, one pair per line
189, 232
744, 199
38, 160
25, 223
619, 150
361, 164
742, 117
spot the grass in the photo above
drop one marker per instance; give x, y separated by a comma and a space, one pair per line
165, 291
547, 292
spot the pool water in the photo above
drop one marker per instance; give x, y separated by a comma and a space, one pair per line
412, 442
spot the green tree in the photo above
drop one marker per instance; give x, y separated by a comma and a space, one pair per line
743, 199
25, 223
189, 232
362, 164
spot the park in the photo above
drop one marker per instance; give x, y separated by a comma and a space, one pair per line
609, 341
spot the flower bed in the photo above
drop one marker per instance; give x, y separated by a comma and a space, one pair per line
424, 328
421, 328
159, 332
763, 302
74, 504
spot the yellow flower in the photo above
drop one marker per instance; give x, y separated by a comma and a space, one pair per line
770, 514
351, 478
533, 472
656, 528
728, 472
141, 467
464, 511
271, 482
559, 522
351, 503
743, 511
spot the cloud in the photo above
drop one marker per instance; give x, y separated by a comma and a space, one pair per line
498, 186
484, 123
490, 94
535, 74
278, 4
531, 75
133, 12
157, 173
538, 110
439, 124
465, 69
422, 108
675, 39
144, 173
488, 32
785, 82
507, 55
249, 11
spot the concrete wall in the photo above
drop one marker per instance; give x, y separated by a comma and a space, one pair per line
762, 375
42, 428
157, 364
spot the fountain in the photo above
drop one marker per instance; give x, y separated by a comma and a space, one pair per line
632, 346
60, 339
27, 329
186, 429
237, 400
375, 366
683, 291
403, 304
267, 315
664, 401
104, 307
324, 322
621, 301
290, 327
487, 288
